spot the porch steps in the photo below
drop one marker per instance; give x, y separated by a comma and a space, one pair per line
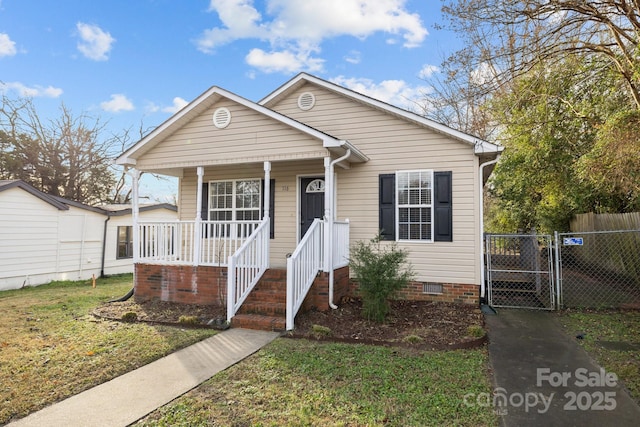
265, 308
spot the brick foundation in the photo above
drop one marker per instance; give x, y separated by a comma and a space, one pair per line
451, 292
318, 296
181, 283
207, 286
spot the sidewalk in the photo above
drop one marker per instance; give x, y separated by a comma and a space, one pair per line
546, 378
128, 398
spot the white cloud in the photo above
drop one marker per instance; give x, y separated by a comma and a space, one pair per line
118, 102
353, 57
30, 92
283, 61
296, 29
428, 71
484, 73
94, 43
178, 104
7, 46
394, 92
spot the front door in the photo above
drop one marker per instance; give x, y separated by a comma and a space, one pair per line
311, 202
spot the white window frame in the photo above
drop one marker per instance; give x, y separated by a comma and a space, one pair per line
234, 208
407, 205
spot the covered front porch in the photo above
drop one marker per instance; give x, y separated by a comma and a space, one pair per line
205, 261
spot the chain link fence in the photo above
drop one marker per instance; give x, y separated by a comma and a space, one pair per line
598, 269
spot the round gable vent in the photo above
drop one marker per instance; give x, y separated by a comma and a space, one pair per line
306, 101
221, 117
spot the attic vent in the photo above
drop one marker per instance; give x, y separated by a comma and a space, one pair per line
221, 117
306, 101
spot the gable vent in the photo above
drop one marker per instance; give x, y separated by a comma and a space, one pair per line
221, 117
306, 101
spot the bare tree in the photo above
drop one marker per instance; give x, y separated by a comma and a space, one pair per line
506, 38
64, 157
122, 189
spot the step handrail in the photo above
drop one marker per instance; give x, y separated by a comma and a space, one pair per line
302, 267
246, 266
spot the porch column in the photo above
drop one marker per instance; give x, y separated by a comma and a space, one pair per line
135, 211
267, 195
198, 225
267, 203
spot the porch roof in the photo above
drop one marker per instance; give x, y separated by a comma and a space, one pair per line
214, 95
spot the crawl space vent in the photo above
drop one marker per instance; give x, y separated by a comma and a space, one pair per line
221, 118
306, 101
432, 288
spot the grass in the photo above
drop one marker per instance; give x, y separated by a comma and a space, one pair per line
52, 348
617, 326
300, 382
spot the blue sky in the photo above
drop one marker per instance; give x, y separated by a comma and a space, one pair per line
135, 62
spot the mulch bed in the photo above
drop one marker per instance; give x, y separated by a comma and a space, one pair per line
416, 325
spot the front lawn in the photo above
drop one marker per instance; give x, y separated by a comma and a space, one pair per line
612, 338
308, 383
52, 348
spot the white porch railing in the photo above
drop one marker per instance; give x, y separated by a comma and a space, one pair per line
180, 242
163, 242
246, 266
340, 244
243, 247
302, 267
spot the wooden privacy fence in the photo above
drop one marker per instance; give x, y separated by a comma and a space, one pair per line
605, 222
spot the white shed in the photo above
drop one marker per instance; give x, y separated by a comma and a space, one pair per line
45, 238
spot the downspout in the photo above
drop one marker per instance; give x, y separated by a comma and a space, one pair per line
330, 218
481, 194
104, 246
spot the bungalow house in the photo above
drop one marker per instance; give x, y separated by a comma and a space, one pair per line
272, 194
45, 238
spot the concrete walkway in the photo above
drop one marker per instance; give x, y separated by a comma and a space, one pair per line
128, 398
545, 378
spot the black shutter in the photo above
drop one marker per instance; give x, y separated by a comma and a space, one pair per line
387, 201
272, 206
204, 215
443, 213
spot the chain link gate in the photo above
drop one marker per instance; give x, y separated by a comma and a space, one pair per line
520, 271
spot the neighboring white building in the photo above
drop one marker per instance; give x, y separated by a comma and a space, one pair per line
45, 238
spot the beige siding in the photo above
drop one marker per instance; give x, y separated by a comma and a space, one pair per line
250, 137
394, 144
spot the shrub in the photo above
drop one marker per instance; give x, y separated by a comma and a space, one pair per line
381, 271
189, 320
320, 331
130, 316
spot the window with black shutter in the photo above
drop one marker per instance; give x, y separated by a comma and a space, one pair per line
416, 205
